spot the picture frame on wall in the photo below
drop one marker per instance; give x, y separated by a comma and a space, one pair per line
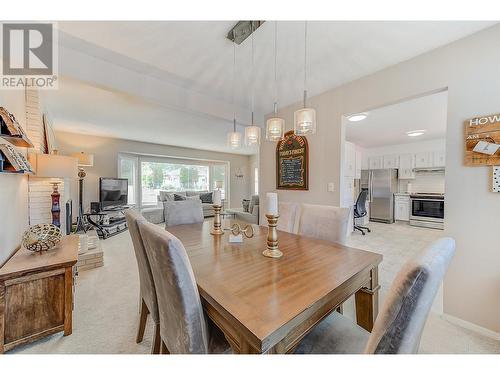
292, 163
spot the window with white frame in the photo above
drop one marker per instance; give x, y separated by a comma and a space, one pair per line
172, 174
256, 181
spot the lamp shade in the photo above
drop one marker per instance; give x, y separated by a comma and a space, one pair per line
84, 160
56, 166
234, 140
304, 121
252, 135
274, 128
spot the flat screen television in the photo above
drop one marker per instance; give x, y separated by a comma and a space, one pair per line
113, 192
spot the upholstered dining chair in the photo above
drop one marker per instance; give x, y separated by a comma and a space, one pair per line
148, 301
399, 325
323, 222
287, 212
183, 212
183, 326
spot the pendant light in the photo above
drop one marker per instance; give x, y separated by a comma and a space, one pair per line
234, 137
305, 118
275, 126
252, 132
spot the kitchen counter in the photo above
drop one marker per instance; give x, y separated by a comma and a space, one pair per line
402, 194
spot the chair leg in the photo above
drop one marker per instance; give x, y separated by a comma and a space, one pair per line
164, 349
156, 346
340, 309
359, 228
142, 322
365, 228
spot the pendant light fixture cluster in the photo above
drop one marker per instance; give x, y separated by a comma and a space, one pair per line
252, 132
304, 118
234, 137
275, 126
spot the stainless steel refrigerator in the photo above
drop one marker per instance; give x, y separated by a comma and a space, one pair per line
381, 185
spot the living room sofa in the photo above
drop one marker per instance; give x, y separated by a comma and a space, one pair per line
250, 216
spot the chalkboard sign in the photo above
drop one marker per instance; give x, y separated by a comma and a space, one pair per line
292, 163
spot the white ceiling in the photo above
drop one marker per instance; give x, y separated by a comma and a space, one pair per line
80, 108
196, 56
388, 125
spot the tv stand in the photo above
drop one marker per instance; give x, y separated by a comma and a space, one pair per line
109, 221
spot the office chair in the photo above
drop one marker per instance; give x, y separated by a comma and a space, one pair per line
360, 210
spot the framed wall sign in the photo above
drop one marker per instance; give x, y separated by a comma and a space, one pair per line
482, 141
292, 163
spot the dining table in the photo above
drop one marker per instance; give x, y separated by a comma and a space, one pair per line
267, 305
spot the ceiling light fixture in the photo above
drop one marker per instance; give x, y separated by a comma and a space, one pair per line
305, 118
357, 117
275, 126
252, 132
415, 133
234, 137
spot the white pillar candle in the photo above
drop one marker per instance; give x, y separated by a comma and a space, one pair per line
272, 204
217, 198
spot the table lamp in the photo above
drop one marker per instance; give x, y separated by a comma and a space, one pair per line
55, 166
84, 160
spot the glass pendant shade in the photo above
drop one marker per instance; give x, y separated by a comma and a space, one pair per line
234, 140
252, 135
274, 128
304, 121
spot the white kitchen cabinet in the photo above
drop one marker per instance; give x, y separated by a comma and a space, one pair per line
423, 160
402, 208
350, 159
406, 166
439, 158
390, 161
348, 192
375, 162
358, 164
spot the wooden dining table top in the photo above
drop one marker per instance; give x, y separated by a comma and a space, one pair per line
265, 294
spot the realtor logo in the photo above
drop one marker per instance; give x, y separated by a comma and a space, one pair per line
29, 57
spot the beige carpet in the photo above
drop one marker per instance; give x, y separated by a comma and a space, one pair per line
106, 314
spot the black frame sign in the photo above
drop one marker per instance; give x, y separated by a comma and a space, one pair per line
292, 163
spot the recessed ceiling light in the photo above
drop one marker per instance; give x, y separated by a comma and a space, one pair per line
415, 133
357, 117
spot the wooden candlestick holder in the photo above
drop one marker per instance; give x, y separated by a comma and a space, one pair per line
217, 230
272, 250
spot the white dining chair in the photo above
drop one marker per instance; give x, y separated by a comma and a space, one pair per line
183, 326
328, 223
288, 213
399, 325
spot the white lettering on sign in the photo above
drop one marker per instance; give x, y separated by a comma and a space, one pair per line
484, 120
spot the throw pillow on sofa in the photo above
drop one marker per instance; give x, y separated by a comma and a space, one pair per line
206, 197
194, 197
178, 197
246, 204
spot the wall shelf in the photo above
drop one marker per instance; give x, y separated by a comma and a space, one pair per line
17, 140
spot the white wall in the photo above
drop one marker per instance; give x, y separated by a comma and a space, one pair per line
470, 70
13, 188
106, 151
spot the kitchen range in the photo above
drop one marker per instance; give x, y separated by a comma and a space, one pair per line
427, 210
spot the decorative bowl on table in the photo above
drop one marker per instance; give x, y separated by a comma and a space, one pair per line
41, 237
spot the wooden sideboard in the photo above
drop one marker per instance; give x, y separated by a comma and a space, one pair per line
36, 293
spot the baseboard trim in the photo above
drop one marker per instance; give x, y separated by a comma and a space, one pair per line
472, 327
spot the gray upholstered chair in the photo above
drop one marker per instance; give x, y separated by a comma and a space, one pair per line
183, 212
323, 222
183, 326
401, 320
148, 301
288, 213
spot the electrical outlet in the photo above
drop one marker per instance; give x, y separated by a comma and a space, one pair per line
331, 187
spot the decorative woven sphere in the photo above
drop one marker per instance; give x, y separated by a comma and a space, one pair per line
41, 237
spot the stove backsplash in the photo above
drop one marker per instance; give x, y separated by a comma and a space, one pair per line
424, 182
